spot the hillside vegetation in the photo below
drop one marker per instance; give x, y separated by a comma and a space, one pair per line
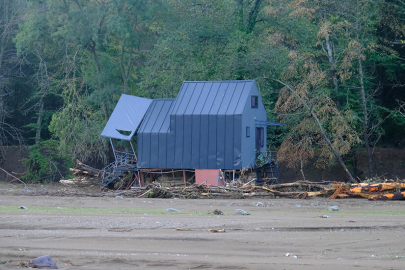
332, 71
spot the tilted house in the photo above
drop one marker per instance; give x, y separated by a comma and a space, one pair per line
211, 125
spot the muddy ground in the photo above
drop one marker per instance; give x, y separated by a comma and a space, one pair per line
112, 233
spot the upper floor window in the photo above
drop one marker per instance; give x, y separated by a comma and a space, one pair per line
255, 101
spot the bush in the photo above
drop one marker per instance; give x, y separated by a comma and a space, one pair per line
45, 163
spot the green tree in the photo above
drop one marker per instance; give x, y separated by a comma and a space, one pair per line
11, 13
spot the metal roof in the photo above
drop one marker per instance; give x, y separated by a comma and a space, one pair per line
158, 117
212, 97
154, 137
127, 116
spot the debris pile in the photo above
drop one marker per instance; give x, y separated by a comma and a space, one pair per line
289, 190
389, 190
84, 175
380, 191
296, 190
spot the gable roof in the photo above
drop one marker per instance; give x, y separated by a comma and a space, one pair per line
212, 97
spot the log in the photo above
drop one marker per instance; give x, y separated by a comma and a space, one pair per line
299, 184
390, 196
79, 171
376, 187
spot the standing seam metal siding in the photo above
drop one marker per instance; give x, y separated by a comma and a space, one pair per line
251, 117
200, 129
207, 121
153, 135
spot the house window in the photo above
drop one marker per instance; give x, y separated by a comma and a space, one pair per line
255, 101
247, 131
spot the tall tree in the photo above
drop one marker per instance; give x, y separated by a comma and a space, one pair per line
321, 129
10, 15
346, 47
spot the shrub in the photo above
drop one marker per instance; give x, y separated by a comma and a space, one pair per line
45, 163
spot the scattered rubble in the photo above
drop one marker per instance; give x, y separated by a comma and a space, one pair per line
172, 210
217, 230
241, 212
217, 212
333, 208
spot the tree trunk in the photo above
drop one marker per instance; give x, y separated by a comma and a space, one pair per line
124, 71
324, 135
240, 15
4, 35
302, 171
329, 51
39, 121
251, 22
365, 119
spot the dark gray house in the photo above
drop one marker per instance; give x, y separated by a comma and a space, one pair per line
210, 125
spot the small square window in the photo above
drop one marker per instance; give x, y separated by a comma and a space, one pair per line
247, 131
255, 101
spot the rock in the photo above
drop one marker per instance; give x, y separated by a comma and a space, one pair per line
333, 208
298, 205
260, 204
119, 197
325, 216
23, 207
44, 262
241, 212
217, 212
172, 210
291, 255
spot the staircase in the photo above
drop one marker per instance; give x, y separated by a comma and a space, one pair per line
123, 162
268, 173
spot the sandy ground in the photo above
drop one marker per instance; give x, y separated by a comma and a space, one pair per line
141, 234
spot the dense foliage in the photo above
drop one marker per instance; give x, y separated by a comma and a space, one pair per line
65, 63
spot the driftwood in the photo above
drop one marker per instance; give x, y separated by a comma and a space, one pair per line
299, 189
295, 190
15, 178
85, 175
390, 190
83, 169
379, 191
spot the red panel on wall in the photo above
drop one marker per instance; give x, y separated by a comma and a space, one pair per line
209, 177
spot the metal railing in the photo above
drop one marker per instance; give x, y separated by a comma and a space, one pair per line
114, 169
124, 159
267, 169
265, 158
